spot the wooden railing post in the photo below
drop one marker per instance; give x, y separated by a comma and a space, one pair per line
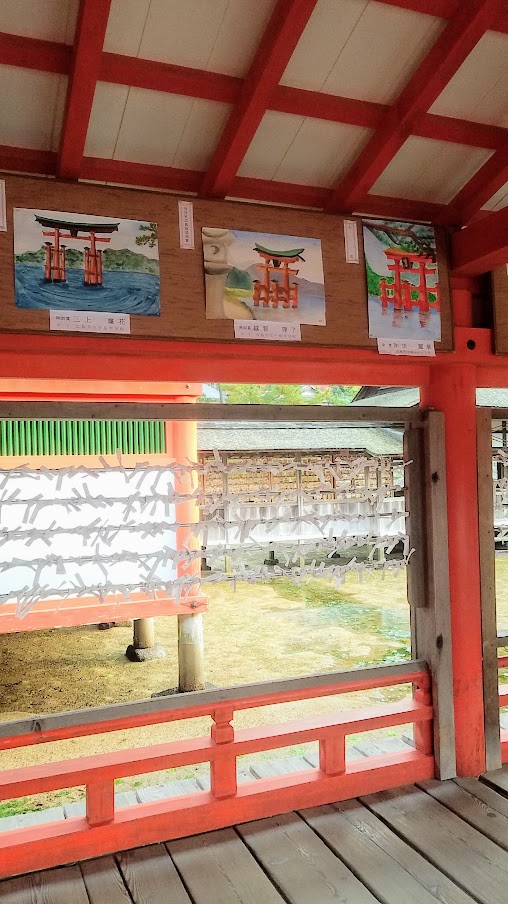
332, 755
423, 731
223, 767
100, 802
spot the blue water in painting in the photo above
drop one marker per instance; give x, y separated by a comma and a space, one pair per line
122, 292
381, 324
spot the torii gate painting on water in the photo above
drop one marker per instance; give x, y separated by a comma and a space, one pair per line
55, 269
404, 298
269, 291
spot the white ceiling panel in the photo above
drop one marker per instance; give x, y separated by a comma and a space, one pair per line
479, 89
320, 153
499, 200
201, 134
50, 20
274, 136
219, 36
105, 120
169, 130
428, 170
31, 107
360, 49
302, 150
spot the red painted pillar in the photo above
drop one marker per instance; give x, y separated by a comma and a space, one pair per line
452, 389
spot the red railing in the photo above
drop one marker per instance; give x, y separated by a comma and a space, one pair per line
105, 830
502, 663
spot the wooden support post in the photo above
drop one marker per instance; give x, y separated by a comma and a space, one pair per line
488, 589
452, 390
223, 768
144, 633
100, 802
332, 755
428, 580
191, 663
423, 734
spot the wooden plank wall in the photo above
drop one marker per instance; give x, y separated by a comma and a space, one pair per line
182, 278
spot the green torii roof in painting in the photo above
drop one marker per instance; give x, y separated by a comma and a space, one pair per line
295, 252
74, 228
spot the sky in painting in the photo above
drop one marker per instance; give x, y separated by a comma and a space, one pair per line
242, 255
28, 233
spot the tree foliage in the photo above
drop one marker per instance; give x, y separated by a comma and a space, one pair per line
284, 394
150, 236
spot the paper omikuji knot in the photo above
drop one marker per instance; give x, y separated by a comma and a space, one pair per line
113, 530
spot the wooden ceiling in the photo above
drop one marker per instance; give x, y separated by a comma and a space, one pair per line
395, 108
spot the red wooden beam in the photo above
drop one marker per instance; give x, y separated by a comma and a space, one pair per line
86, 61
156, 76
27, 160
32, 53
480, 189
447, 54
481, 246
279, 40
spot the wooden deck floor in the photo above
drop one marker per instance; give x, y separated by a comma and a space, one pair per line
445, 842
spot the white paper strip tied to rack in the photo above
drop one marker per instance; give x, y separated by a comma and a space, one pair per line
82, 531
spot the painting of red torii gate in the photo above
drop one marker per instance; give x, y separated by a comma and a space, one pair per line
404, 299
59, 264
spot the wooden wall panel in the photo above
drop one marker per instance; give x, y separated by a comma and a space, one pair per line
500, 300
182, 277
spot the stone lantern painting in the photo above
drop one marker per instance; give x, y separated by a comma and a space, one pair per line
404, 296
84, 262
259, 276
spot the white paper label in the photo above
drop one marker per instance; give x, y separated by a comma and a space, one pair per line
89, 322
276, 332
351, 242
3, 208
412, 347
186, 222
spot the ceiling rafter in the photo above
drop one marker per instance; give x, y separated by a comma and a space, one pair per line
153, 75
454, 44
481, 246
275, 49
34, 53
86, 60
480, 189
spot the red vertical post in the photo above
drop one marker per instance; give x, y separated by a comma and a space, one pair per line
452, 389
47, 262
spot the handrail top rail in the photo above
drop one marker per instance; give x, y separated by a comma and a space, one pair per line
205, 411
243, 696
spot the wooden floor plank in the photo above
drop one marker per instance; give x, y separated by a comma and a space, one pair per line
484, 792
459, 851
300, 864
151, 877
498, 779
392, 870
56, 886
471, 809
103, 882
218, 867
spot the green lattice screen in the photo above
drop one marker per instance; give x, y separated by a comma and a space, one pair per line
81, 437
